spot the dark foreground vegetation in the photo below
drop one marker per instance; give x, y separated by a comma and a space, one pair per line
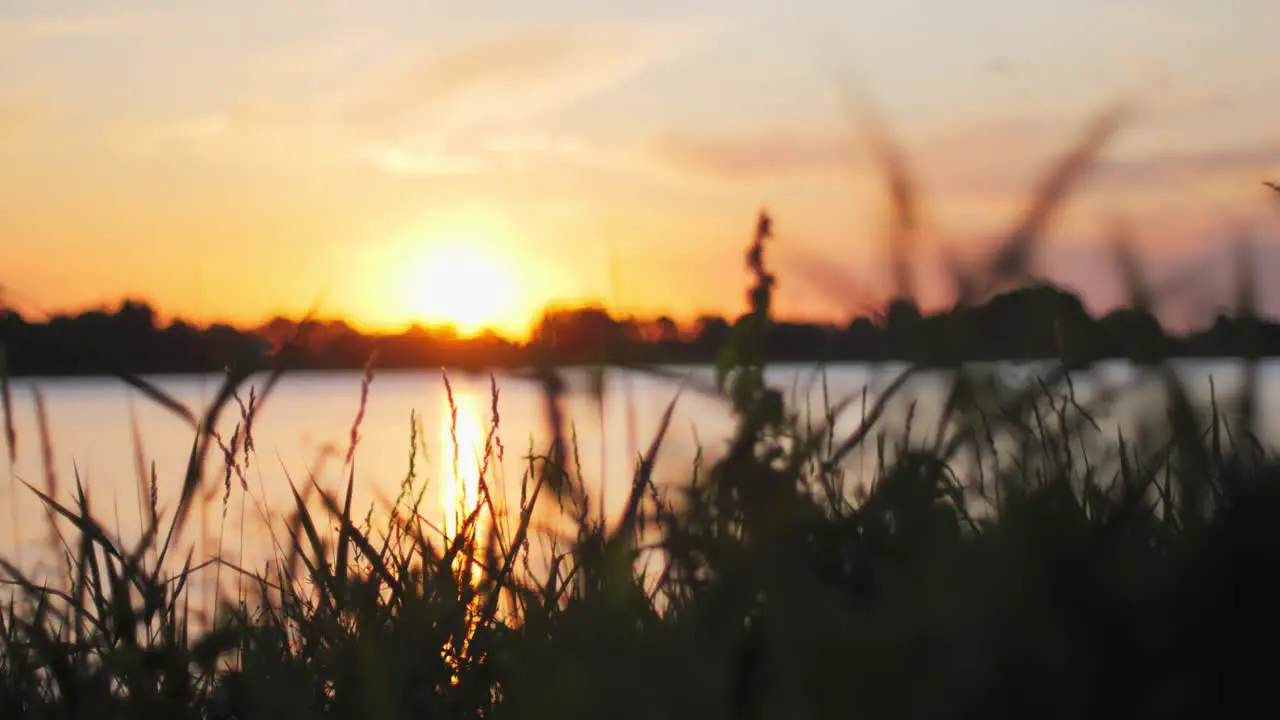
1013, 562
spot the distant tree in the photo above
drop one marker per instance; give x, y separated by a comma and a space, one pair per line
796, 342
902, 321
1036, 321
135, 317
632, 330
580, 334
277, 331
710, 333
902, 314
864, 339
1050, 322
668, 330
1136, 334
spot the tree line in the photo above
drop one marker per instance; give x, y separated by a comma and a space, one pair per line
1039, 321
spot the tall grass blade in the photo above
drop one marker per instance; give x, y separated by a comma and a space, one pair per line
1013, 257
644, 473
6, 402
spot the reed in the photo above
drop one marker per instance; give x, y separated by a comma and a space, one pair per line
1019, 560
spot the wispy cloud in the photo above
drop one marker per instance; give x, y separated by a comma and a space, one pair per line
19, 32
998, 155
247, 136
306, 60
769, 153
817, 148
405, 159
549, 155
1177, 165
513, 76
471, 108
31, 93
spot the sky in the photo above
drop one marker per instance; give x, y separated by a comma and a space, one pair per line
238, 160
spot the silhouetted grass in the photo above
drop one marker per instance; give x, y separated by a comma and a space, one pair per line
1018, 560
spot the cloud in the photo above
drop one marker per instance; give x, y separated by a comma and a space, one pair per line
506, 153
205, 126
1157, 167
1150, 172
766, 153
992, 157
517, 75
406, 160
813, 149
304, 60
29, 100
20, 32
474, 107
243, 137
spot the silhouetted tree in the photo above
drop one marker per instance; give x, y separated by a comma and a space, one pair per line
1037, 321
580, 335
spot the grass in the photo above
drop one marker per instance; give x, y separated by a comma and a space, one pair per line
1016, 560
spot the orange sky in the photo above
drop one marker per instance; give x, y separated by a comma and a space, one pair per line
235, 160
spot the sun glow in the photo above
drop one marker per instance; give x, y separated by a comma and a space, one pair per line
468, 284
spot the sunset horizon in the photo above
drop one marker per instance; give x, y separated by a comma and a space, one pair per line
404, 166
735, 359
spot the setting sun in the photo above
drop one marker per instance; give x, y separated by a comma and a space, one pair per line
470, 271
465, 282
466, 286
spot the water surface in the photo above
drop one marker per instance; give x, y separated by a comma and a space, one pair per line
304, 431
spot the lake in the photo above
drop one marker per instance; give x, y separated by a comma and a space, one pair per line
310, 415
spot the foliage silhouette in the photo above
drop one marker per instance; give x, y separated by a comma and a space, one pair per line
1050, 321
1017, 561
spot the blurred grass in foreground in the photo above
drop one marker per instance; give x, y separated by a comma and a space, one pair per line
1069, 575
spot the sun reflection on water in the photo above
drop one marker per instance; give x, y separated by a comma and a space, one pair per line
465, 443
462, 442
